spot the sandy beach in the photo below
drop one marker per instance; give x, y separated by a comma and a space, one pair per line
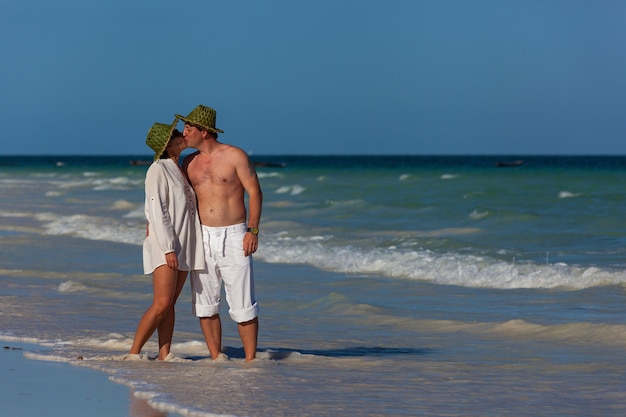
38, 388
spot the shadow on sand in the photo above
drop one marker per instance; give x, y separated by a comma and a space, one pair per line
358, 351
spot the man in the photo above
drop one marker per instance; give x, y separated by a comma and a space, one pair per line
221, 174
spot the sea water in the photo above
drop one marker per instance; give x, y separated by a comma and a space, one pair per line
388, 285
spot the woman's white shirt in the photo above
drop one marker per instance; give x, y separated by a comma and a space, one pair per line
172, 216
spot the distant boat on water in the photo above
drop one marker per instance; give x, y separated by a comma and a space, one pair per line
509, 163
139, 162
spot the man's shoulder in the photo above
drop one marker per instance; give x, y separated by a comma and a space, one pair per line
233, 151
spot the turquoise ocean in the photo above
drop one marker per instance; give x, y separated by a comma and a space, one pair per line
388, 285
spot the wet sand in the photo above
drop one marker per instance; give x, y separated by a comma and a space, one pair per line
30, 388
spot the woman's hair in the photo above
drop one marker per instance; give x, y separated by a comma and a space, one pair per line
175, 134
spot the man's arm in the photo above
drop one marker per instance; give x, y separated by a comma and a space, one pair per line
250, 182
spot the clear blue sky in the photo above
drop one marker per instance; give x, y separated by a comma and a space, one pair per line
317, 77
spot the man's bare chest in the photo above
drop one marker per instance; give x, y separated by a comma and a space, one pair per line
210, 175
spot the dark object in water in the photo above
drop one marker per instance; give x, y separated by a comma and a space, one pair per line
257, 164
140, 162
509, 163
270, 164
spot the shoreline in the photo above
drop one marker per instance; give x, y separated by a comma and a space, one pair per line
32, 387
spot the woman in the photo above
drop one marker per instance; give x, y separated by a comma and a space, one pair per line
173, 245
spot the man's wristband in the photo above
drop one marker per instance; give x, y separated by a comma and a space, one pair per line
253, 230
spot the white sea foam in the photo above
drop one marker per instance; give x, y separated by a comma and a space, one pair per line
297, 189
346, 203
9, 183
403, 262
138, 213
71, 287
567, 194
426, 265
123, 205
116, 183
478, 214
292, 189
46, 357
20, 339
395, 261
268, 174
93, 228
44, 174
283, 190
14, 214
67, 184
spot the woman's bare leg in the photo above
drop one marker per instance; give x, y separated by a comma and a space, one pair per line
166, 327
164, 285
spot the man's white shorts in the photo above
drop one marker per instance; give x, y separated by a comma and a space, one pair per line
225, 262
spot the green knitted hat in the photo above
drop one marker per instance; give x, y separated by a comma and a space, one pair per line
202, 116
158, 137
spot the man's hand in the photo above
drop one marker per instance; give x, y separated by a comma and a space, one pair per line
250, 243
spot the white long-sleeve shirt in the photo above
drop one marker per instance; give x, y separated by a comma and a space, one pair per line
172, 215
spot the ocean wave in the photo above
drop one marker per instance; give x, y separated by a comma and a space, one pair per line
426, 265
568, 194
14, 214
123, 205
269, 174
291, 189
93, 227
321, 249
116, 183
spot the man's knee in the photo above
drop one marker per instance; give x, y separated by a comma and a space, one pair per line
249, 322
